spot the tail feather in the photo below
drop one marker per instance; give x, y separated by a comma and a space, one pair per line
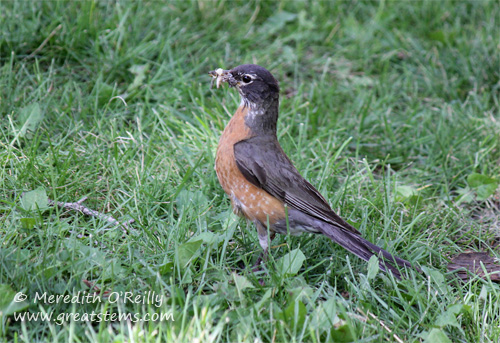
364, 249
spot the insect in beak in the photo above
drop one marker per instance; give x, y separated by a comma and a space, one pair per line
219, 75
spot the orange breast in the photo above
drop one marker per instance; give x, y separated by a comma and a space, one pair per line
253, 202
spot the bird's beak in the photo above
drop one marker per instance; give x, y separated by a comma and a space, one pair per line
219, 75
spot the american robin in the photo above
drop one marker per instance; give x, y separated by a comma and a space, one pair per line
263, 184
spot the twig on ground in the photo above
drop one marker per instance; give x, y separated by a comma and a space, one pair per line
77, 206
385, 327
46, 40
97, 290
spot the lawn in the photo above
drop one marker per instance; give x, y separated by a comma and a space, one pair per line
391, 109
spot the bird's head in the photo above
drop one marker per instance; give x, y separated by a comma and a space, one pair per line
256, 85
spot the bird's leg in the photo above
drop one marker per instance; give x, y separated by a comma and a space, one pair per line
264, 243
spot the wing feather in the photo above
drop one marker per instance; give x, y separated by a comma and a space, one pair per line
263, 163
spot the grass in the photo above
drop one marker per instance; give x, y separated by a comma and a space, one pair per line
390, 108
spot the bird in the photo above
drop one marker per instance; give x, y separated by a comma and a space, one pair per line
263, 184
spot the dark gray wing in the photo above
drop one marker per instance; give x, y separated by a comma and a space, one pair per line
262, 161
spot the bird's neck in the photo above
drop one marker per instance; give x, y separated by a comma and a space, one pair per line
262, 117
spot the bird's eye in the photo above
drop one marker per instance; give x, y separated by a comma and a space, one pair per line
246, 79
